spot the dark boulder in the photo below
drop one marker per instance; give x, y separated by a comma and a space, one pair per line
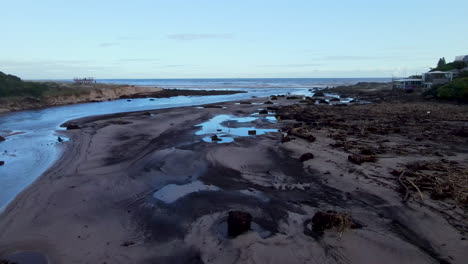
2, 139
268, 102
59, 139
2, 163
252, 132
359, 159
238, 223
306, 156
263, 112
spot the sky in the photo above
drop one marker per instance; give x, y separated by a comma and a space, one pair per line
52, 39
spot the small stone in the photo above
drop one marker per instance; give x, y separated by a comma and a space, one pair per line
59, 139
2, 163
359, 159
2, 139
215, 138
263, 112
306, 156
238, 223
252, 132
268, 102
127, 243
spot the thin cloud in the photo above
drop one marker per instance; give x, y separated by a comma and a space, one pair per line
188, 37
139, 60
108, 44
351, 57
293, 65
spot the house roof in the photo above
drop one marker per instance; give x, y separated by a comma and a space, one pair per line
461, 57
409, 80
437, 72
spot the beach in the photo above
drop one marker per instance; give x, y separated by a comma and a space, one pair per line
155, 187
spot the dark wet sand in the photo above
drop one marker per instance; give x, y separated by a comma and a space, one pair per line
96, 204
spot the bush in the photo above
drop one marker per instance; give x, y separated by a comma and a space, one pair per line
456, 89
463, 74
456, 65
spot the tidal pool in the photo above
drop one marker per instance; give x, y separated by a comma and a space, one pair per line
172, 192
226, 126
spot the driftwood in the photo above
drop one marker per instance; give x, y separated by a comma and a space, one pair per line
416, 187
404, 185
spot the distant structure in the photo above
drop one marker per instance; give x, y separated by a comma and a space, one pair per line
436, 78
463, 58
88, 80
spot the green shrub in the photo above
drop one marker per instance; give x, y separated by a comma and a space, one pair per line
456, 89
463, 74
456, 65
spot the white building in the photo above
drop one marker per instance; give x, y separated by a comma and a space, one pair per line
407, 84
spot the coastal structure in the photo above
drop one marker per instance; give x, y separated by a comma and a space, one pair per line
409, 84
88, 80
462, 58
436, 77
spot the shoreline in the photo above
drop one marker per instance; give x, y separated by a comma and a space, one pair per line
98, 95
97, 197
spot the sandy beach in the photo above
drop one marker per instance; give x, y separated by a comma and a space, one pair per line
149, 187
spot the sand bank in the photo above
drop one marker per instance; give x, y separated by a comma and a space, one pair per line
110, 198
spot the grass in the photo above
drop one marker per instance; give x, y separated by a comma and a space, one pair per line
13, 86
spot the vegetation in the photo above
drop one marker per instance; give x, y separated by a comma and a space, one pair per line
11, 86
441, 62
456, 89
456, 65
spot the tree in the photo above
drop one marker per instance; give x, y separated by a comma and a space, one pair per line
441, 62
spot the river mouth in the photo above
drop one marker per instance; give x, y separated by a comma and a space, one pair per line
225, 128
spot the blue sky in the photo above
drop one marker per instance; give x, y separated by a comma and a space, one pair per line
52, 39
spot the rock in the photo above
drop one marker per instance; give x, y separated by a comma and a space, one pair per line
252, 132
334, 99
72, 126
306, 156
263, 112
322, 101
461, 133
2, 163
367, 151
303, 133
213, 106
129, 100
2, 139
318, 94
151, 99
127, 243
285, 138
59, 139
147, 113
245, 102
293, 98
268, 102
359, 159
215, 138
238, 223
330, 219
273, 97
